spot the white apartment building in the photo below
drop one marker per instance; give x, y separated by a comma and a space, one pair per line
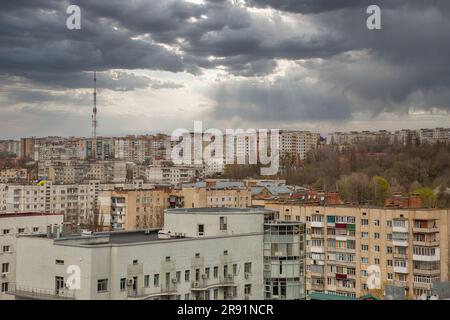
76, 202
12, 225
173, 174
201, 254
298, 143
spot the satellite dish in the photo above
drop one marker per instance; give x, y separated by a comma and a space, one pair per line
434, 297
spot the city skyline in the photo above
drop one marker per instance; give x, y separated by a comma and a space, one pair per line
301, 65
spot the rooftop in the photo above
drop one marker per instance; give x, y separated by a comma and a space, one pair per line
219, 210
28, 214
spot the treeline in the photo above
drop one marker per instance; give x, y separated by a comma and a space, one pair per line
368, 174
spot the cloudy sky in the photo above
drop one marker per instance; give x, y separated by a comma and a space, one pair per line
303, 64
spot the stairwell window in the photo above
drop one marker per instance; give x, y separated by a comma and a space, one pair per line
123, 284
223, 223
5, 267
201, 230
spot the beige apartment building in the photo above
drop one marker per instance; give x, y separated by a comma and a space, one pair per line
131, 209
352, 248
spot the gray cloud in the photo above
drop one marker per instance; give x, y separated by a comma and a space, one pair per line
343, 68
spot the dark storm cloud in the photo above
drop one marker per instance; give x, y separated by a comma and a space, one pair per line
353, 70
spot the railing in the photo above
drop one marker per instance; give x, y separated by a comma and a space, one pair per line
425, 230
39, 293
205, 284
142, 295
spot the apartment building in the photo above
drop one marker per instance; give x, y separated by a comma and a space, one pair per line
75, 202
13, 175
131, 209
143, 208
11, 226
298, 143
202, 254
168, 174
76, 171
347, 246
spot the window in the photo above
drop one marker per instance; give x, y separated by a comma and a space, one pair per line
364, 222
5, 267
123, 284
248, 267
364, 247
388, 249
102, 285
234, 269
376, 223
5, 286
156, 280
6, 249
376, 261
364, 260
376, 235
390, 276
35, 229
178, 276
186, 275
364, 235
248, 289
147, 280
377, 248
216, 294
389, 223
201, 230
59, 262
187, 296
207, 272
389, 263
216, 272
223, 223
21, 230
5, 231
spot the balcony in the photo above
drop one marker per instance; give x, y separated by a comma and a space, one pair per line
400, 255
401, 283
400, 229
33, 293
435, 272
317, 235
317, 224
425, 230
400, 243
206, 284
398, 269
165, 291
433, 258
423, 285
434, 243
317, 249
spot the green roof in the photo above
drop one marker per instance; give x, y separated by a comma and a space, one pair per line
328, 296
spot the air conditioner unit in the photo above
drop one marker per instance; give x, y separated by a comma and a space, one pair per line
174, 280
204, 276
247, 275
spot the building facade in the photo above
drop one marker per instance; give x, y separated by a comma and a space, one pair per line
201, 254
11, 226
348, 245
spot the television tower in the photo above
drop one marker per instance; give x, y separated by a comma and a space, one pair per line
94, 120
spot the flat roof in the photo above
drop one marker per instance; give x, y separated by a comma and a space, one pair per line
220, 210
28, 214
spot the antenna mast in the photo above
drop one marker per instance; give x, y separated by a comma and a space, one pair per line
94, 120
